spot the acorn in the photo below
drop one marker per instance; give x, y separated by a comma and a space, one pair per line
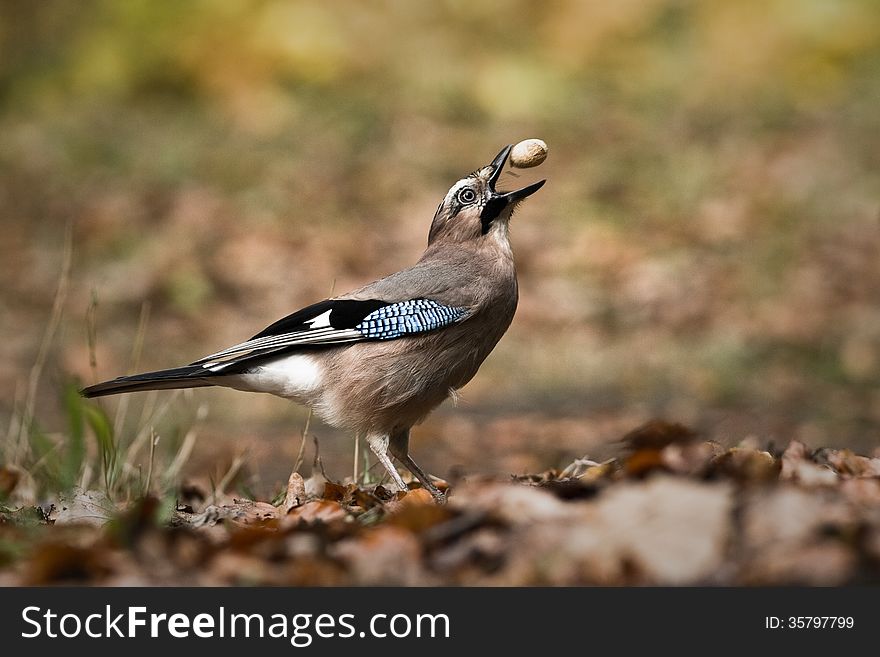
528, 153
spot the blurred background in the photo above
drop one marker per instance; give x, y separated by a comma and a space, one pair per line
707, 248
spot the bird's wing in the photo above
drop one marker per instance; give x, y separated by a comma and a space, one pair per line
340, 321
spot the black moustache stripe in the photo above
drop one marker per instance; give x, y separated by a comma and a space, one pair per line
491, 210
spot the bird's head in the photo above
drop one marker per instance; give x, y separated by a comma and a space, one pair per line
473, 209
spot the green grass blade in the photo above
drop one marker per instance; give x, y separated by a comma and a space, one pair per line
72, 458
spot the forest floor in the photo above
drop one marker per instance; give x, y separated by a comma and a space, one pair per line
671, 509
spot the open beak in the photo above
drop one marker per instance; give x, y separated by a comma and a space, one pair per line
497, 165
500, 200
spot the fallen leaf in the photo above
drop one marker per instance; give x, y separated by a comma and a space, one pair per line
745, 464
657, 434
797, 467
56, 562
671, 530
689, 458
367, 499
790, 517
661, 531
511, 503
241, 512
337, 492
386, 555
863, 491
88, 507
238, 569
644, 461
849, 464
417, 511
479, 551
416, 497
570, 489
324, 511
296, 492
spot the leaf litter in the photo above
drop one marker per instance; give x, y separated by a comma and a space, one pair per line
671, 509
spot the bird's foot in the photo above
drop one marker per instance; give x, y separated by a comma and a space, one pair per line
438, 495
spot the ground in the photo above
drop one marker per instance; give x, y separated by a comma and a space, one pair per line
672, 509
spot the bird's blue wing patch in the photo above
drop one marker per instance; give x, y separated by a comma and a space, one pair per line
407, 318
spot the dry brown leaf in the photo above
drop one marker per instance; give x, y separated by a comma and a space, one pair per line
325, 511
311, 571
417, 511
745, 464
481, 550
367, 499
662, 531
791, 517
236, 568
416, 497
847, 463
812, 475
689, 458
241, 512
56, 562
864, 492
570, 489
296, 492
796, 451
644, 461
797, 467
82, 507
538, 478
559, 553
511, 503
673, 531
337, 492
385, 555
657, 434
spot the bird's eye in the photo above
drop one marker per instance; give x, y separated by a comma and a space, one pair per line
467, 195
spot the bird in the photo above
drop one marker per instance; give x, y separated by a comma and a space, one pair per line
379, 359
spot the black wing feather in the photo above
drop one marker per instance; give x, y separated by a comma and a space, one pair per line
344, 314
295, 321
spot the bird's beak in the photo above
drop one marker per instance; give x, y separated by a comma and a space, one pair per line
520, 194
500, 200
497, 165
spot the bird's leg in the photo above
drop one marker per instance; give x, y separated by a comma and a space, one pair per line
399, 448
378, 442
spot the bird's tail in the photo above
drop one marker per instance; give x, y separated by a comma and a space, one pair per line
189, 376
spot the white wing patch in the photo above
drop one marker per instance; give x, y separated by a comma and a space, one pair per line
321, 321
